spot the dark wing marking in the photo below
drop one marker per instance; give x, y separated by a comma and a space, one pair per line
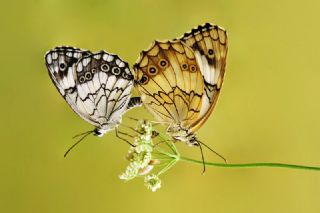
97, 86
60, 63
104, 82
170, 82
210, 45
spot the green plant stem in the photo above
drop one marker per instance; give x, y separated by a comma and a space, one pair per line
250, 165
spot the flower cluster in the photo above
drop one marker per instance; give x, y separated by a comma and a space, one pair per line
140, 157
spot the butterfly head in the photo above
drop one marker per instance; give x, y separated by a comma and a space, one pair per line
178, 133
101, 131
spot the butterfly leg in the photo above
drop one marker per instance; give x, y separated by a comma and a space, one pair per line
131, 128
125, 140
154, 132
126, 134
202, 156
225, 160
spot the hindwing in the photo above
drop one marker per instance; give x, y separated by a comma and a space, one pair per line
104, 85
170, 83
210, 46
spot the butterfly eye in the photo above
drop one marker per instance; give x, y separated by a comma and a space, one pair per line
88, 75
193, 68
152, 70
82, 79
93, 71
163, 63
116, 70
210, 52
62, 66
105, 67
144, 79
184, 66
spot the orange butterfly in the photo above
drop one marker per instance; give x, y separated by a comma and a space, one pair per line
179, 81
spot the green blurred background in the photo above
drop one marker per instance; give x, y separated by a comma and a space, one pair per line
268, 110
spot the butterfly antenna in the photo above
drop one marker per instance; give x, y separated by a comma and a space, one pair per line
225, 160
84, 135
202, 156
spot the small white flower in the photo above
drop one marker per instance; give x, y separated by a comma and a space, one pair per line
141, 159
152, 182
145, 170
143, 148
141, 155
130, 173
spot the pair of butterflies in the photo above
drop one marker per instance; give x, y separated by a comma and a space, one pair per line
179, 82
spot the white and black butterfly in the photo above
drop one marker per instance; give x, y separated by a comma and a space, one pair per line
97, 86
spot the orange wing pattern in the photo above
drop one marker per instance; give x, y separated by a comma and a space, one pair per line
210, 46
170, 83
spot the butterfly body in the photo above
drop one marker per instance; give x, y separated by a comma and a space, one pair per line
180, 80
179, 133
97, 86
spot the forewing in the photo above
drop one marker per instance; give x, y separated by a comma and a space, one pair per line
210, 45
170, 82
60, 63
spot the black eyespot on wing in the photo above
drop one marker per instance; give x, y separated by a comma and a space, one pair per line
193, 68
82, 79
163, 63
105, 67
184, 66
144, 79
116, 70
152, 70
88, 75
62, 66
127, 76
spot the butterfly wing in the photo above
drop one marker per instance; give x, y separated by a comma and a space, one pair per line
170, 82
104, 85
60, 63
96, 86
210, 45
